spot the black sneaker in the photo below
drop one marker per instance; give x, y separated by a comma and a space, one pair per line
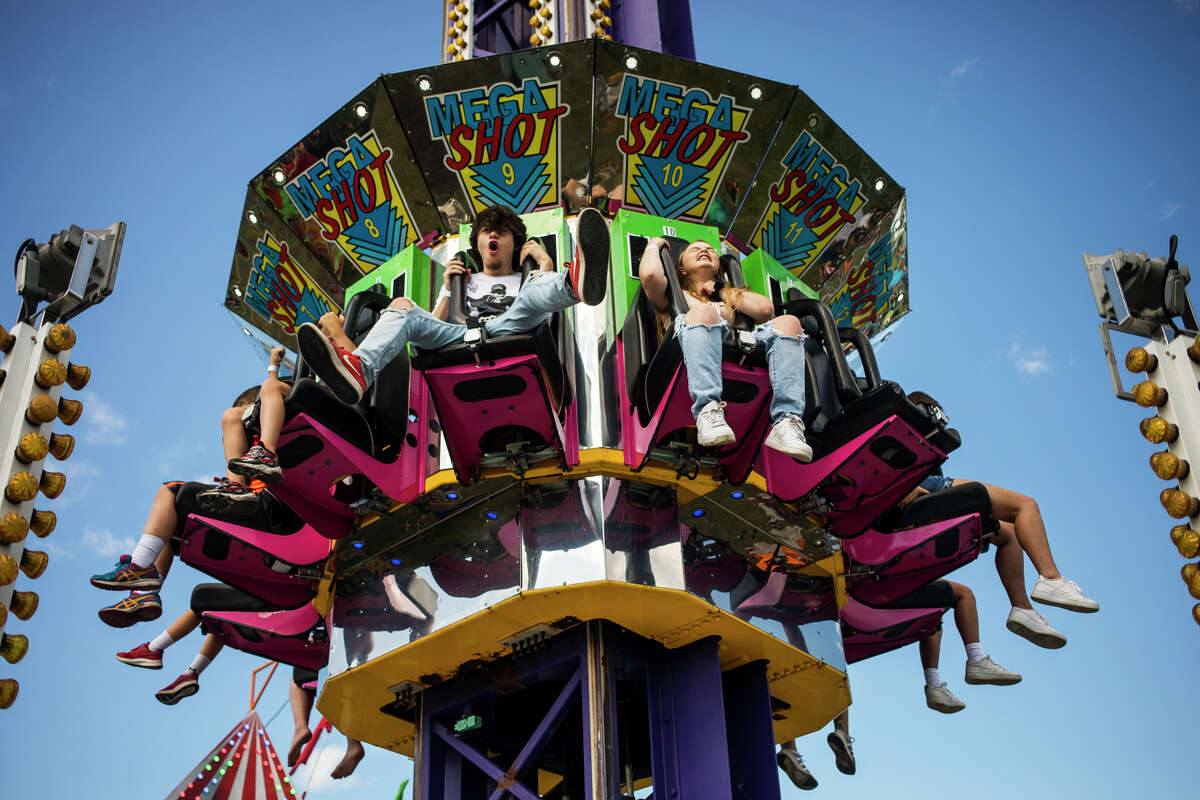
228, 496
589, 272
260, 463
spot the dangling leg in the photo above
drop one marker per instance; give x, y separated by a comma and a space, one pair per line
783, 339
700, 333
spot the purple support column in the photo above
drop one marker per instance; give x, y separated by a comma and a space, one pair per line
747, 699
689, 754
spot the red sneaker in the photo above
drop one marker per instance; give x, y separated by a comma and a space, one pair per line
142, 656
340, 369
185, 685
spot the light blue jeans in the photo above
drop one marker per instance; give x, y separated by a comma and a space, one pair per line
701, 345
542, 294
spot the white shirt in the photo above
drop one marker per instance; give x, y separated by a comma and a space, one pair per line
488, 295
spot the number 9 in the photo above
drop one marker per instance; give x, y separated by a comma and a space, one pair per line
510, 174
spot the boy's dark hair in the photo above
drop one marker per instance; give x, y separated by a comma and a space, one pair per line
924, 399
246, 398
500, 218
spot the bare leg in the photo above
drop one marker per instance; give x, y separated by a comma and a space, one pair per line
1023, 512
270, 414
233, 439
212, 647
162, 519
1010, 566
931, 650
966, 615
187, 622
349, 762
301, 701
166, 557
842, 722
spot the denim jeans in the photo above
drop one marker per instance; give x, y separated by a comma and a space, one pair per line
542, 294
701, 345
936, 483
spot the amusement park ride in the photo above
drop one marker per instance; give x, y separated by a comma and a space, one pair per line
513, 558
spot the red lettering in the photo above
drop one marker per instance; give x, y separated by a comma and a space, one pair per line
690, 138
324, 215
547, 117
284, 316
376, 168
364, 196
782, 190
816, 215
489, 140
805, 197
343, 203
523, 124
667, 136
863, 304
861, 273
727, 140
636, 140
456, 145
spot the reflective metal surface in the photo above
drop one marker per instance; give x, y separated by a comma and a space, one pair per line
461, 549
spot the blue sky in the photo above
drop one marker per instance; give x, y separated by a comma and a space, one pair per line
1025, 133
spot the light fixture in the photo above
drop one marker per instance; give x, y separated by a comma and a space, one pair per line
252, 217
1178, 503
1138, 360
1168, 466
1148, 394
554, 60
879, 184
1157, 430
360, 110
631, 62
424, 83
279, 176
1186, 540
756, 92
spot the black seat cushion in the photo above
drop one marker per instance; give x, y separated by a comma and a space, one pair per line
309, 397
271, 515
223, 597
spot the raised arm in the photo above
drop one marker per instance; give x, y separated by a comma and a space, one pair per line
650, 273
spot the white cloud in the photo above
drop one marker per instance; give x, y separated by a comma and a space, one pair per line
81, 476
327, 757
1170, 209
103, 543
1031, 362
106, 425
961, 69
1185, 6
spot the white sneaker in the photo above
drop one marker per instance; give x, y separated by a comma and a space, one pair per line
711, 428
1029, 624
1064, 594
986, 671
940, 698
787, 436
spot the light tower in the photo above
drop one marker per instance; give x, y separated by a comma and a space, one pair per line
73, 271
1147, 297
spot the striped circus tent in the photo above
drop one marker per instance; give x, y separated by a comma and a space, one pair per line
243, 765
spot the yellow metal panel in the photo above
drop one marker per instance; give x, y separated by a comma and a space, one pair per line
815, 692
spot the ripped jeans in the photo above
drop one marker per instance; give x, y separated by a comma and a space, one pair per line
701, 345
542, 294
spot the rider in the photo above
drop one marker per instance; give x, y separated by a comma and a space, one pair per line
711, 309
498, 234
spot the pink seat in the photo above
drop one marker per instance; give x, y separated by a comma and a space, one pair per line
868, 631
297, 636
902, 562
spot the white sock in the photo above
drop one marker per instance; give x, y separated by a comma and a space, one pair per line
199, 663
161, 642
148, 548
975, 652
933, 677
